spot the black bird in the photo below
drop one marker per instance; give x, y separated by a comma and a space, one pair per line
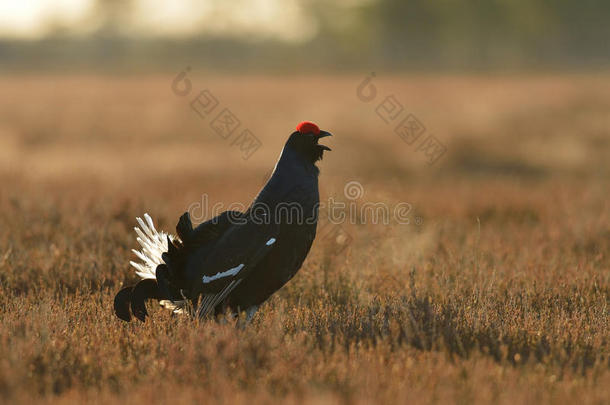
236, 260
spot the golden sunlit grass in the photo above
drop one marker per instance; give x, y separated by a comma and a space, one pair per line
500, 294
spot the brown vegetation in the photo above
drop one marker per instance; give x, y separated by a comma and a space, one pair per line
500, 294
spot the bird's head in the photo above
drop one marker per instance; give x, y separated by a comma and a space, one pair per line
304, 141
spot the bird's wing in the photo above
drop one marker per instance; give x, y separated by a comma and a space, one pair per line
234, 256
207, 231
172, 275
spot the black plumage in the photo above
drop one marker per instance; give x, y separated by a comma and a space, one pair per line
236, 260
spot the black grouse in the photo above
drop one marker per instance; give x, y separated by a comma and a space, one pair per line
236, 260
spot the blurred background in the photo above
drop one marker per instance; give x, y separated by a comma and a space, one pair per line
304, 35
525, 80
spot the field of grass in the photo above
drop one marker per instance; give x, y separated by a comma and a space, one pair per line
497, 290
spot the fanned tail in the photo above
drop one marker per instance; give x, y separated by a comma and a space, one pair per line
155, 248
153, 243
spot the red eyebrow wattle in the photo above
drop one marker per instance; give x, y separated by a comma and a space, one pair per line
307, 127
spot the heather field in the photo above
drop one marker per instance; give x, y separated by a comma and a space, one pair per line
494, 287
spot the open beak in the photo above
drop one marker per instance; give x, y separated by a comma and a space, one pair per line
324, 134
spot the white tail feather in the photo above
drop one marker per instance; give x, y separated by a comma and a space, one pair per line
153, 244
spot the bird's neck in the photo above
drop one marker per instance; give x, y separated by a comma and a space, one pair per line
291, 171
292, 162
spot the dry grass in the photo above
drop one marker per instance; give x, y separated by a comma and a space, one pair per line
500, 295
